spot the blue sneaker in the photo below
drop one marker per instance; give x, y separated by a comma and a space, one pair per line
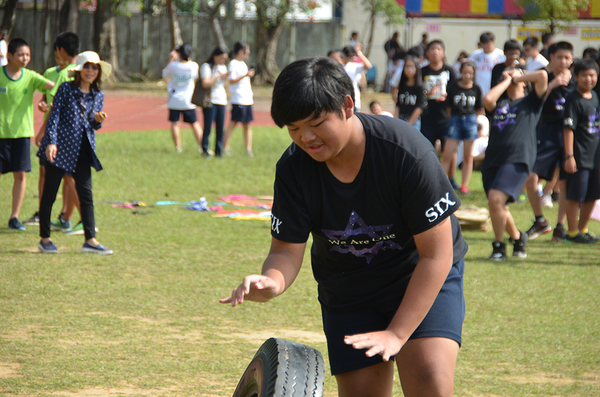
61, 224
47, 248
99, 249
13, 223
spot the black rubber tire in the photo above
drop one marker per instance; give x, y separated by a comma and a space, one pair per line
281, 368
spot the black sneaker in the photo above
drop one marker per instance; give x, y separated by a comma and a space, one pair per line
34, 220
559, 233
580, 238
592, 236
499, 253
519, 245
13, 223
537, 229
454, 185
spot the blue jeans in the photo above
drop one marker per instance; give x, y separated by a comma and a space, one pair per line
463, 128
216, 114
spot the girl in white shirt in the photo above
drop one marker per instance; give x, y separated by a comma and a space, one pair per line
355, 69
241, 95
213, 74
182, 73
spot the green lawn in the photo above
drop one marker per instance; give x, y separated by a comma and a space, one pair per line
146, 321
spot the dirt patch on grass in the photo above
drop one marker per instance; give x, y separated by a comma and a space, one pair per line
554, 379
120, 391
20, 335
9, 370
290, 334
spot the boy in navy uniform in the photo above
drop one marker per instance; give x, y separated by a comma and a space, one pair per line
580, 136
387, 253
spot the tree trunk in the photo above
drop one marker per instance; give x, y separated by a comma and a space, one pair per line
9, 17
266, 64
216, 27
101, 17
371, 33
69, 15
176, 39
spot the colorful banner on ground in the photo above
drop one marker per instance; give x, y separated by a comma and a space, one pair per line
477, 8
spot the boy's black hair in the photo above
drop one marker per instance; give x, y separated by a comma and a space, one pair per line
237, 47
373, 103
585, 64
349, 52
310, 87
15, 44
486, 37
218, 50
561, 45
546, 37
590, 52
433, 42
69, 41
418, 77
532, 41
185, 51
512, 45
416, 51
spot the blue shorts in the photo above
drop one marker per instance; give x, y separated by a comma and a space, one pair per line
583, 186
463, 128
508, 178
241, 113
189, 116
549, 150
435, 132
445, 320
14, 155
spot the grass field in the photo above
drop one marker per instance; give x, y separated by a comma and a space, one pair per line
146, 321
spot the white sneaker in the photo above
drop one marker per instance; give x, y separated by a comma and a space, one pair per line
546, 201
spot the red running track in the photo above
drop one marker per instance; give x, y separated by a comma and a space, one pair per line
143, 113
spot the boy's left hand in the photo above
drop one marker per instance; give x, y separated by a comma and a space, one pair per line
99, 117
384, 343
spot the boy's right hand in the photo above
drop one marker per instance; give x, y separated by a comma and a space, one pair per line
255, 288
570, 165
51, 152
562, 79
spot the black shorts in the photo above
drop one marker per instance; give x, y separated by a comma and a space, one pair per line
189, 116
14, 155
508, 178
241, 113
445, 320
435, 132
549, 150
583, 186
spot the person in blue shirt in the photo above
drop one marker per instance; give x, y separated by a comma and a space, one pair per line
70, 146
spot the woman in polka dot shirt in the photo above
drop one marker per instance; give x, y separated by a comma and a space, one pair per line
70, 146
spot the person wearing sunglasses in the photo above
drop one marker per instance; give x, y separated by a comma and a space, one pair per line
69, 145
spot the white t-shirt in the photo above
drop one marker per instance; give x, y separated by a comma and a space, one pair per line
536, 63
354, 70
241, 92
485, 63
395, 80
218, 96
3, 53
181, 76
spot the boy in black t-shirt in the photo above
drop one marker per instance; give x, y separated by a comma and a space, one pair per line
387, 253
512, 52
581, 145
511, 151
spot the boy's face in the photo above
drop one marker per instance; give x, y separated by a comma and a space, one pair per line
488, 47
21, 57
324, 137
376, 108
586, 79
529, 50
435, 53
561, 60
512, 56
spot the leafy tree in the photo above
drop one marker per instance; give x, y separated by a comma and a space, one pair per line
388, 10
9, 17
559, 14
213, 13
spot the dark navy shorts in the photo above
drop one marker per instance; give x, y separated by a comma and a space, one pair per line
189, 116
463, 128
241, 113
549, 150
508, 178
445, 320
583, 186
14, 155
435, 132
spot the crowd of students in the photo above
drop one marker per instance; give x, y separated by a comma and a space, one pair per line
543, 124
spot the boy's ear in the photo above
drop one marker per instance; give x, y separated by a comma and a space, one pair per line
348, 107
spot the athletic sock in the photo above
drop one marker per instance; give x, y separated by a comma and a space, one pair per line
540, 219
584, 231
573, 234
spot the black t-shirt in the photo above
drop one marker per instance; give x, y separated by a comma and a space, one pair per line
512, 132
497, 74
410, 98
463, 101
554, 107
581, 115
436, 110
363, 245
